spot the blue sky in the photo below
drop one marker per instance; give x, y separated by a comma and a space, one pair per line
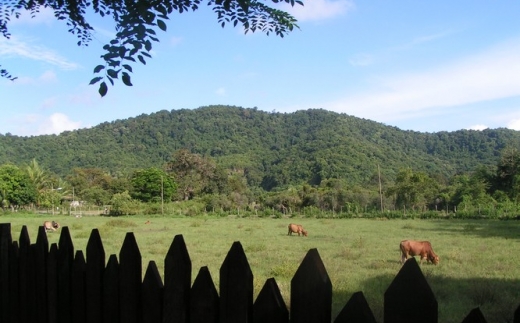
418, 65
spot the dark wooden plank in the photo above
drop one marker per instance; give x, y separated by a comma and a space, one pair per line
52, 284
516, 318
311, 291
14, 286
356, 311
40, 263
64, 268
269, 306
25, 276
204, 303
409, 297
130, 275
78, 278
474, 316
30, 303
5, 250
110, 304
94, 277
152, 295
236, 287
177, 282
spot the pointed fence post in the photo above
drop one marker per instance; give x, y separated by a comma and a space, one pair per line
236, 287
65, 261
204, 303
269, 305
130, 275
356, 310
94, 277
41, 249
475, 316
110, 304
26, 277
5, 279
311, 291
52, 284
177, 282
78, 289
409, 297
152, 295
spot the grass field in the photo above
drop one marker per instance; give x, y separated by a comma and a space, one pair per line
479, 259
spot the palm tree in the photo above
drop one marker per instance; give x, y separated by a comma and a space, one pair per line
39, 178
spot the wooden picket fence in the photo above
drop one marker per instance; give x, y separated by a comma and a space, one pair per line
56, 284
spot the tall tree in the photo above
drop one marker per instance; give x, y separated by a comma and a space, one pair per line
412, 189
152, 185
38, 177
508, 173
193, 173
16, 188
137, 23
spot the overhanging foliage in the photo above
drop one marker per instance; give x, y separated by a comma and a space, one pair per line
137, 23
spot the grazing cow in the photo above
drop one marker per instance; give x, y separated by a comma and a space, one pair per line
51, 226
410, 248
296, 228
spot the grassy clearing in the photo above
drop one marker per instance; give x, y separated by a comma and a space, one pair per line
478, 265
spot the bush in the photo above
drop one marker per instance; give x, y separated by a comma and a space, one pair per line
123, 204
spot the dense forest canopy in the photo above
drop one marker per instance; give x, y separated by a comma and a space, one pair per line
275, 148
233, 151
136, 24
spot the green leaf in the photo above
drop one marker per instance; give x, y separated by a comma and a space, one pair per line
103, 89
98, 68
126, 79
148, 45
95, 80
112, 73
127, 67
161, 25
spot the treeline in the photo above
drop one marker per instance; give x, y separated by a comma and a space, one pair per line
230, 159
199, 185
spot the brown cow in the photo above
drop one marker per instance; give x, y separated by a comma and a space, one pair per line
51, 226
296, 228
418, 248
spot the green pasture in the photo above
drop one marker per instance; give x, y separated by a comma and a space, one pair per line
479, 259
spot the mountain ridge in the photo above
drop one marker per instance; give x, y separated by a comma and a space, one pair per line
272, 149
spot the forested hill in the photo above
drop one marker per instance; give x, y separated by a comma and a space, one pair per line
271, 149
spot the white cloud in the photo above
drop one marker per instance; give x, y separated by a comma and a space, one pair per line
221, 91
57, 123
493, 74
174, 41
478, 127
48, 77
361, 60
37, 124
514, 124
14, 47
49, 103
315, 10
